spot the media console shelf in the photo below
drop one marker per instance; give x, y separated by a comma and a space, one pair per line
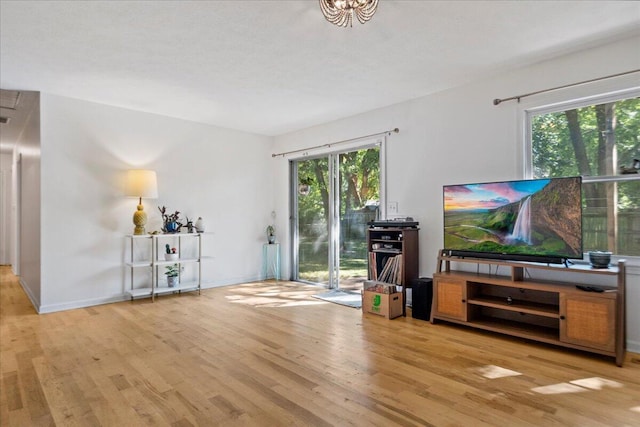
554, 312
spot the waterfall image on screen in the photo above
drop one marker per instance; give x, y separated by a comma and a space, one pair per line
541, 217
522, 228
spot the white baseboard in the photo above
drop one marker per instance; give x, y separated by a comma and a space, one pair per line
32, 298
633, 346
52, 308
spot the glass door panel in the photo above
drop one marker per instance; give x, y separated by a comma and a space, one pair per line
313, 220
359, 200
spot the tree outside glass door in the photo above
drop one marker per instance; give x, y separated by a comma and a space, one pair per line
312, 215
335, 197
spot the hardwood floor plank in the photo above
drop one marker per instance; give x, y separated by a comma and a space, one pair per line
267, 354
11, 391
33, 396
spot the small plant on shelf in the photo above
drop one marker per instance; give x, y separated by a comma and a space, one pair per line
172, 273
171, 222
271, 234
170, 254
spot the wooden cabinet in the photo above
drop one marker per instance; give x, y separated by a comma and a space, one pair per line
393, 257
588, 321
555, 312
147, 263
449, 299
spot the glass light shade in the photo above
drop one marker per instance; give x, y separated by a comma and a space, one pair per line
341, 12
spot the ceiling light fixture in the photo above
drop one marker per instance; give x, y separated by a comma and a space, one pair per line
340, 12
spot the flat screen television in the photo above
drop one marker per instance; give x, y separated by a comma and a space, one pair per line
536, 220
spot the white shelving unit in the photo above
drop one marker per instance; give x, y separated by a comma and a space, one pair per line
146, 255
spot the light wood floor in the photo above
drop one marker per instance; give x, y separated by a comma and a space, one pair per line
267, 354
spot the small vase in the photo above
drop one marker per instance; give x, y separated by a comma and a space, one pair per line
171, 257
172, 227
199, 225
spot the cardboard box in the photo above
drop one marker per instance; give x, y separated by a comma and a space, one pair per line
387, 305
379, 287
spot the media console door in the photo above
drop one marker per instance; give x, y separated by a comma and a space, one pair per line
450, 299
588, 321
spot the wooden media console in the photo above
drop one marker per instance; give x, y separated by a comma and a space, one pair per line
555, 312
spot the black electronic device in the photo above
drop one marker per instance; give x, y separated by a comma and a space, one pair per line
395, 223
421, 296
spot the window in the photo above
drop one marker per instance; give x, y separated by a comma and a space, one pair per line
599, 140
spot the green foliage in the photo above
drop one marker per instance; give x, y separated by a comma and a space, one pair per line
172, 270
501, 221
606, 132
553, 245
359, 183
306, 180
554, 154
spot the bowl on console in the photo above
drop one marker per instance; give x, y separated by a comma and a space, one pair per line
599, 259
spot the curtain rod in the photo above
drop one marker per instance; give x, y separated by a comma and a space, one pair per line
388, 132
497, 101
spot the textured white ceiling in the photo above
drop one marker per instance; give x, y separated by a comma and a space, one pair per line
272, 67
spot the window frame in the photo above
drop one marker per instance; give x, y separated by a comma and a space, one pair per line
567, 104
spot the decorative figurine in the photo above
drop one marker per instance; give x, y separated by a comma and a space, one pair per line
190, 226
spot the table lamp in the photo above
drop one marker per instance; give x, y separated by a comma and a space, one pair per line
141, 183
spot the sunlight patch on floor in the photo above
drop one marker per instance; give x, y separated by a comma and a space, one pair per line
596, 383
560, 388
492, 372
635, 409
577, 386
274, 301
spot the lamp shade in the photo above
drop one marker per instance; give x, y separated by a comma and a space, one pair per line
141, 183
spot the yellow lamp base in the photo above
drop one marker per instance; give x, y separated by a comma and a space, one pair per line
140, 220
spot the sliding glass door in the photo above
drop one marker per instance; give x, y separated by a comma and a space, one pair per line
333, 198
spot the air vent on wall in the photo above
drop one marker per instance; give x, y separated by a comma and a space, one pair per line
9, 99
4, 120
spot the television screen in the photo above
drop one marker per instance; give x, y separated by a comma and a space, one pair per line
521, 220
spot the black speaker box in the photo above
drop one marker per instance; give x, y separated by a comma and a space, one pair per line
421, 297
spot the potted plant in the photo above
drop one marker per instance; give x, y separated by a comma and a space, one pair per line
172, 273
271, 234
304, 187
171, 254
170, 222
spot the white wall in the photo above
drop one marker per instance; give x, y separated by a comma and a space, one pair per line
5, 207
459, 136
26, 204
221, 175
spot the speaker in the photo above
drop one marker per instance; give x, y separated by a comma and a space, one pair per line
421, 297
